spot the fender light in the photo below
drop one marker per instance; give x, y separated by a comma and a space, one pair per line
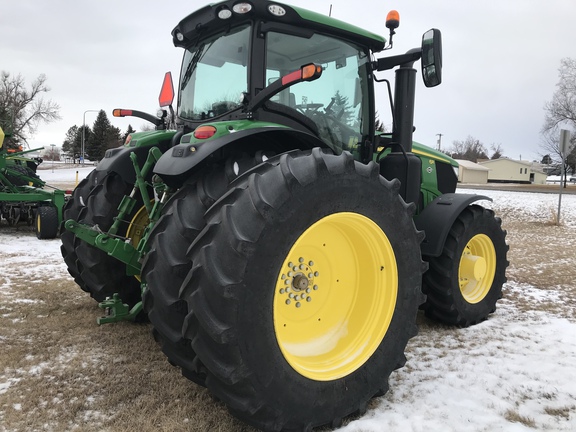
242, 8
121, 113
204, 132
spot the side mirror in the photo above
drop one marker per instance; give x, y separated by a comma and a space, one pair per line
432, 58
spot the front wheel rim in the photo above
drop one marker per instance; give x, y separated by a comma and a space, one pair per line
477, 268
335, 296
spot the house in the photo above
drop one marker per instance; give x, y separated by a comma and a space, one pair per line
470, 172
506, 170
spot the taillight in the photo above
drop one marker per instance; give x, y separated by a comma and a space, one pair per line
204, 132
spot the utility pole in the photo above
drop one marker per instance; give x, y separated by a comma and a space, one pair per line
439, 141
564, 150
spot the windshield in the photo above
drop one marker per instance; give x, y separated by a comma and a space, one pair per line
214, 75
337, 102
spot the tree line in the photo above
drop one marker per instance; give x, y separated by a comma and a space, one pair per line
23, 108
101, 137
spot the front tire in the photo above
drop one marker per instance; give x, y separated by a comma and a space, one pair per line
465, 282
304, 290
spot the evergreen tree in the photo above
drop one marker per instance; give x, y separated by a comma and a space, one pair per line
103, 137
78, 140
68, 144
378, 124
128, 132
342, 109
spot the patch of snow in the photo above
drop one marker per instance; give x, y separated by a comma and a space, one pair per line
63, 174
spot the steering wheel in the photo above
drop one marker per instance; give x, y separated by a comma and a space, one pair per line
311, 107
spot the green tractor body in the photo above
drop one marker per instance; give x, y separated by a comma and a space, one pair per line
279, 245
22, 194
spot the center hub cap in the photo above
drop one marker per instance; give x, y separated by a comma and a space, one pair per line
300, 282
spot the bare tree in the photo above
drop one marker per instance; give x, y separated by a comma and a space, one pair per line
470, 149
497, 151
561, 113
551, 147
22, 110
562, 108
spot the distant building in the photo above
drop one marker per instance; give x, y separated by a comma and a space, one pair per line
470, 172
505, 170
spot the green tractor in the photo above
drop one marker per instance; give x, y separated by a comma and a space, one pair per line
22, 194
279, 245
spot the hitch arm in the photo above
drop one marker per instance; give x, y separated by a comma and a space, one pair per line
113, 246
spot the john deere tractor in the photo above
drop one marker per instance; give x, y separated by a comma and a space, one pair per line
279, 245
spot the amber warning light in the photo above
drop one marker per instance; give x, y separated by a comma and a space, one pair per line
393, 20
308, 72
121, 113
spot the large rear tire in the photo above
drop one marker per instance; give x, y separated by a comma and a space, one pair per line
465, 282
102, 274
166, 264
72, 211
304, 290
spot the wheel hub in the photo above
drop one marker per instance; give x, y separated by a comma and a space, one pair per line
298, 282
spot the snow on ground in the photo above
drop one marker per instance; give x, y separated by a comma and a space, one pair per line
60, 173
514, 372
529, 206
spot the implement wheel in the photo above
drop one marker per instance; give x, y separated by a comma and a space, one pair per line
166, 264
304, 290
102, 274
46, 222
465, 282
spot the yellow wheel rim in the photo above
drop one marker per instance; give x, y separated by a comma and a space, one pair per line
335, 296
136, 228
477, 268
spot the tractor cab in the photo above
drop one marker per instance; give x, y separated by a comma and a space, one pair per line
242, 87
221, 74
235, 51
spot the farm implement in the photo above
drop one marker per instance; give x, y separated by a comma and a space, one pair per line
22, 194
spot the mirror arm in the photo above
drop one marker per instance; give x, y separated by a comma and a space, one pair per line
407, 60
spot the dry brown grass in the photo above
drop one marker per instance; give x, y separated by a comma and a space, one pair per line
66, 373
60, 371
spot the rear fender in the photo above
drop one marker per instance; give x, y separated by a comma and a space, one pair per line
438, 217
179, 163
118, 159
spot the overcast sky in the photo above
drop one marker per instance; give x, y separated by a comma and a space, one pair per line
500, 58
